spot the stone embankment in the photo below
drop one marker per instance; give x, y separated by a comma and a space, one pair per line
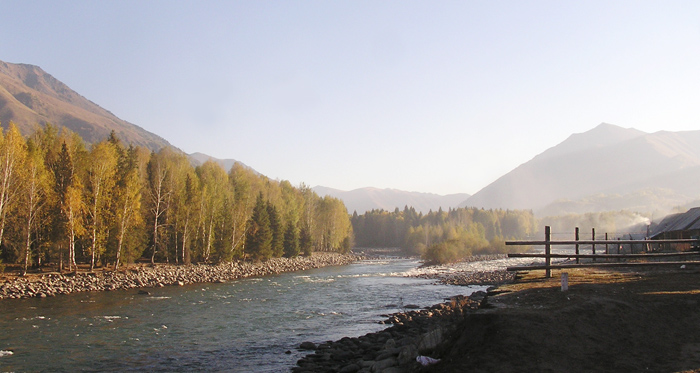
161, 275
395, 349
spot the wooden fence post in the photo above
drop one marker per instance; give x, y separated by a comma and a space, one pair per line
593, 239
547, 251
578, 260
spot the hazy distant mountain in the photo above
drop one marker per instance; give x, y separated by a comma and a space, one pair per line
606, 168
29, 97
198, 159
366, 199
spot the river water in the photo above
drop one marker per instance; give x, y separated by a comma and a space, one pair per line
251, 325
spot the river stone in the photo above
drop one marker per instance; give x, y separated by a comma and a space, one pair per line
407, 354
430, 340
383, 364
343, 355
352, 368
393, 370
307, 346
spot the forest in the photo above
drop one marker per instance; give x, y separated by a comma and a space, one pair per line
444, 236
65, 202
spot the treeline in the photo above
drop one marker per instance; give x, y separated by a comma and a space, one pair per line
443, 236
109, 203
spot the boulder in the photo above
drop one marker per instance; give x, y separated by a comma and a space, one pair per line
351, 368
383, 364
430, 340
307, 346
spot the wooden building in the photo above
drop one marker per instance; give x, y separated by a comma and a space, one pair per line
683, 225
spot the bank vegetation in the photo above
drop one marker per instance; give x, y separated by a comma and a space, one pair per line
66, 203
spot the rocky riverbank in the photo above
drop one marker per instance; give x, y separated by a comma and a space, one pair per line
395, 349
52, 284
476, 270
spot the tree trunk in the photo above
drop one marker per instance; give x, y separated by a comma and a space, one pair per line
27, 248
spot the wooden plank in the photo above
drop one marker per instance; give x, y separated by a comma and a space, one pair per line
596, 242
566, 266
592, 256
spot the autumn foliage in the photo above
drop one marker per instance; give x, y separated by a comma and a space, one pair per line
65, 202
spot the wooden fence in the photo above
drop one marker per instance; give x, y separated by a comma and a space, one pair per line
548, 255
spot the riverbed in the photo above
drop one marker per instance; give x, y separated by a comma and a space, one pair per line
239, 326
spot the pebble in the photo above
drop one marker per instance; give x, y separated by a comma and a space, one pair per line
162, 275
458, 274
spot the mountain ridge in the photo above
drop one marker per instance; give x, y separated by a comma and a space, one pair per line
366, 199
603, 160
31, 97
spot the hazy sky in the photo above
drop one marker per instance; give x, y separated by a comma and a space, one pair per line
429, 96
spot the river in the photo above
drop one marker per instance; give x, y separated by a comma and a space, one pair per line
251, 325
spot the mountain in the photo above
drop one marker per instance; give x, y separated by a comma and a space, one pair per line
197, 159
29, 97
608, 167
366, 199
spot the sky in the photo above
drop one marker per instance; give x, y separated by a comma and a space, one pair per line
428, 96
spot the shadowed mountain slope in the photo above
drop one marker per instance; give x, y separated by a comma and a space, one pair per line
30, 97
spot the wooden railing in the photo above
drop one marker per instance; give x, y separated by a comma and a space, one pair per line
548, 255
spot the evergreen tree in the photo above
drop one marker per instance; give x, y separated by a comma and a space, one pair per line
291, 241
305, 242
277, 231
259, 236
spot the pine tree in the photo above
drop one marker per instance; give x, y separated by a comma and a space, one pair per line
62, 170
291, 241
259, 236
277, 231
305, 242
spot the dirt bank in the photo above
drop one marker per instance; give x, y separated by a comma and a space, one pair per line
608, 320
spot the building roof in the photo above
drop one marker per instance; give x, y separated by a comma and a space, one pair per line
689, 220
